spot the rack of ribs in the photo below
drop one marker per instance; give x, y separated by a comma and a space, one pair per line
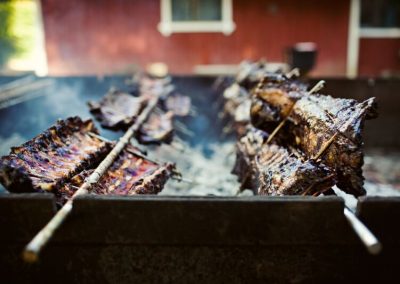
118, 110
322, 132
130, 174
63, 156
311, 121
50, 159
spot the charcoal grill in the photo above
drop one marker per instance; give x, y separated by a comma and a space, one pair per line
192, 239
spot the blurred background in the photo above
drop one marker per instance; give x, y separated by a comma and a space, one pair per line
342, 38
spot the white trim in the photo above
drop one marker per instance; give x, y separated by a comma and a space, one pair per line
167, 26
380, 32
42, 69
353, 40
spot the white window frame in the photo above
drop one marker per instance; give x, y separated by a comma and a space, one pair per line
356, 32
167, 26
380, 32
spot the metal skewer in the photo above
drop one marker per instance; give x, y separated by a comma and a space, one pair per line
366, 236
295, 72
32, 250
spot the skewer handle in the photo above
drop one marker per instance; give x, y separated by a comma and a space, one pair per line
317, 87
367, 237
31, 251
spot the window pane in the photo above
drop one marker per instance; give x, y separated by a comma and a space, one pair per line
380, 13
196, 10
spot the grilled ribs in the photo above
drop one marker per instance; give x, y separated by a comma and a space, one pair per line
312, 121
239, 102
317, 126
131, 173
50, 159
60, 159
246, 149
273, 170
282, 173
157, 129
117, 110
179, 105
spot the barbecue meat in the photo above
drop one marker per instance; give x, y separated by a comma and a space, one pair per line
178, 105
117, 110
312, 121
131, 173
246, 149
273, 170
240, 100
50, 159
157, 129
271, 104
282, 173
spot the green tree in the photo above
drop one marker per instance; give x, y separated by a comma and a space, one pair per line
8, 45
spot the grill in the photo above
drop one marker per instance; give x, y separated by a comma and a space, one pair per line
187, 239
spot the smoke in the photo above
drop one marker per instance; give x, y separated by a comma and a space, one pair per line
7, 142
64, 100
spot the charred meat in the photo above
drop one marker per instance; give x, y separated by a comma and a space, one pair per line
282, 173
312, 121
316, 133
179, 105
117, 110
273, 170
157, 129
246, 150
130, 174
50, 159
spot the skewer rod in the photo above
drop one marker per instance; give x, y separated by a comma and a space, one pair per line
32, 250
366, 236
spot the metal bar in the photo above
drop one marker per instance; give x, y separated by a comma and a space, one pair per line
366, 236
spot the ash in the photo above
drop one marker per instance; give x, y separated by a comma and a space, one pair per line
382, 176
206, 171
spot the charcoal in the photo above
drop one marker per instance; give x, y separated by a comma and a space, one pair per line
47, 161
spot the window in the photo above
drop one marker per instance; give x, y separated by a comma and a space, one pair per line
383, 14
180, 16
380, 18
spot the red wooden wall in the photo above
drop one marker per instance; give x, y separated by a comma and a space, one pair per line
106, 36
379, 56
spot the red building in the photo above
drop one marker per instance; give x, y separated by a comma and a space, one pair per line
105, 36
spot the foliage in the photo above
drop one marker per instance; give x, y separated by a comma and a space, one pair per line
8, 42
